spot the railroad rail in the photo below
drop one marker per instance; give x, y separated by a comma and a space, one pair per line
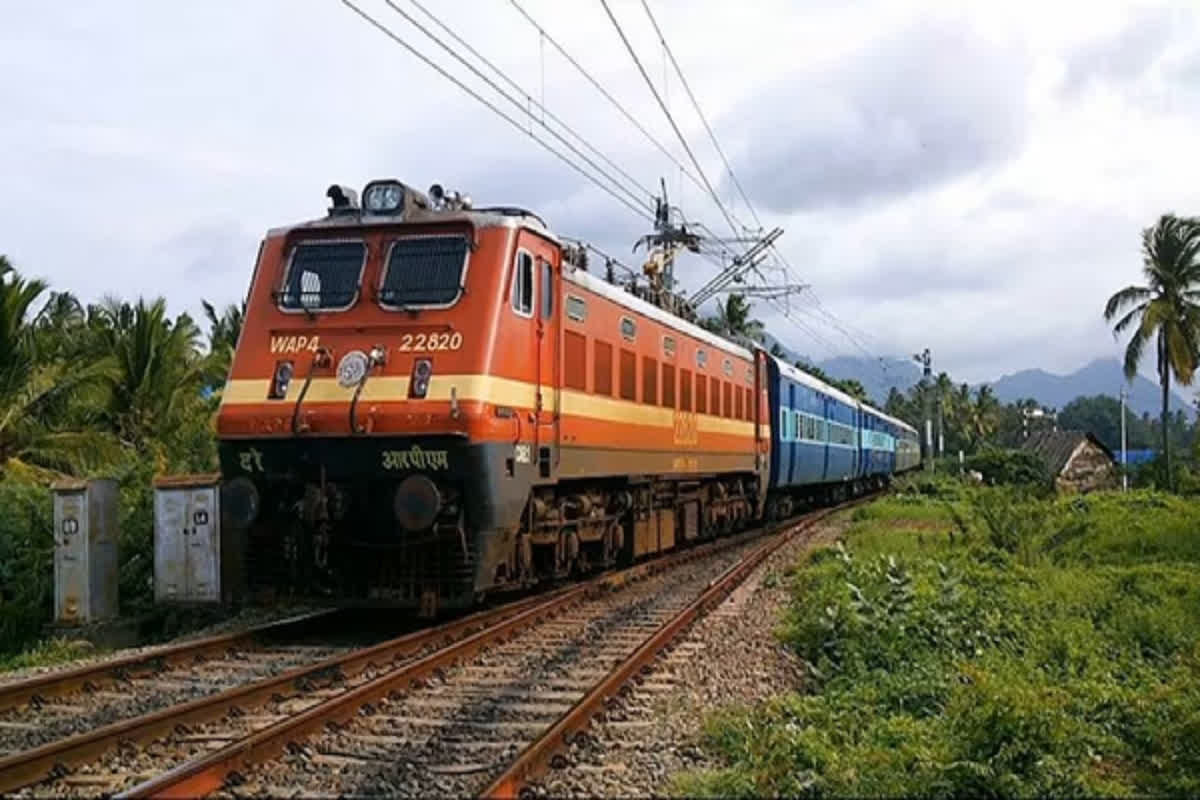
56, 760
426, 677
119, 670
538, 756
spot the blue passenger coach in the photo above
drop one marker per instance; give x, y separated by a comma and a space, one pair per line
825, 444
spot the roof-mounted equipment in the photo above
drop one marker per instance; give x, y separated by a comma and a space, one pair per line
391, 197
345, 200
448, 201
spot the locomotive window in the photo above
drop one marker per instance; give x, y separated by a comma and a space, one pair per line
575, 361
323, 276
547, 289
628, 375
649, 381
424, 271
685, 390
668, 386
669, 346
576, 308
603, 377
522, 287
701, 394
701, 358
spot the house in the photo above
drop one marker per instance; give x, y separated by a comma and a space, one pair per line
1077, 461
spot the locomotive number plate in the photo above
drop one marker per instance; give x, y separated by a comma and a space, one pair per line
430, 342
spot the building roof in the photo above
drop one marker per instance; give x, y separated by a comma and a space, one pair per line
1054, 448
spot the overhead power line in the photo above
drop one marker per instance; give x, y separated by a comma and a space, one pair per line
696, 105
640, 212
518, 88
675, 127
606, 94
514, 101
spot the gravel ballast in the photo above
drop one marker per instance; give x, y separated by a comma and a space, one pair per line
731, 656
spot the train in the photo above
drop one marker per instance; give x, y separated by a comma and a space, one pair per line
432, 403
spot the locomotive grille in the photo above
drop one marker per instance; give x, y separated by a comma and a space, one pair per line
425, 270
323, 275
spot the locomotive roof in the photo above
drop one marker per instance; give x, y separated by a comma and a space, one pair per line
493, 217
634, 303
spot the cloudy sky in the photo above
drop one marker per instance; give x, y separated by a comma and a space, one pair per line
968, 177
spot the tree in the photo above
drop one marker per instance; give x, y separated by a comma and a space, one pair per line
223, 332
733, 320
38, 399
1165, 309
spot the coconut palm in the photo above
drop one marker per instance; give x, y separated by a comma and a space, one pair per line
733, 320
1166, 309
159, 369
40, 400
224, 330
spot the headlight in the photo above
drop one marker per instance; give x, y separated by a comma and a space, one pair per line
352, 369
383, 197
282, 379
422, 372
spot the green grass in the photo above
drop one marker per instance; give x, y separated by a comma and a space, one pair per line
990, 644
48, 652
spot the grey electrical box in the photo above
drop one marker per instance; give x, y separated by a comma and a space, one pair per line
187, 539
86, 521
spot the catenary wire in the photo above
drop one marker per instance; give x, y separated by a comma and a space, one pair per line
499, 112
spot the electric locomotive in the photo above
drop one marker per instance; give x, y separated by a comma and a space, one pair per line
430, 402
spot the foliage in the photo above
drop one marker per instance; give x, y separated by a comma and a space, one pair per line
1009, 467
1062, 662
118, 389
733, 320
1165, 309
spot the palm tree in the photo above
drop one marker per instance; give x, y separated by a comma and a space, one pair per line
38, 398
733, 320
224, 330
159, 369
1166, 308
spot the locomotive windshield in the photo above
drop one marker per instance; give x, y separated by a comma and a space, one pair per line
424, 271
323, 276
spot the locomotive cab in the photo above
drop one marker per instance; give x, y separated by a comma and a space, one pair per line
365, 427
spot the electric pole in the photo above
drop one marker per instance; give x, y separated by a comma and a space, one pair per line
926, 361
1124, 467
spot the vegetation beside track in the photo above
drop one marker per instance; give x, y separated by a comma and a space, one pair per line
985, 641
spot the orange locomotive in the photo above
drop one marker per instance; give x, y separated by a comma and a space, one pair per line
431, 402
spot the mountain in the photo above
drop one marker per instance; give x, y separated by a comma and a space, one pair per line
877, 376
1102, 376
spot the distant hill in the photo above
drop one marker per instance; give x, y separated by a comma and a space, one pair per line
877, 376
1102, 376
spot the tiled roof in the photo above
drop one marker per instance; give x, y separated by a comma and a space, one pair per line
1054, 448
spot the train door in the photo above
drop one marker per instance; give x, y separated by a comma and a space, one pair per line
548, 359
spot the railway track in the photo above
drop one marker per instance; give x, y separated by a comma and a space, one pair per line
440, 711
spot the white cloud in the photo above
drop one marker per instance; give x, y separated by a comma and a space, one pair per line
969, 178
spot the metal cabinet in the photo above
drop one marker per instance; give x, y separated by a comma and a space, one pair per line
86, 530
187, 539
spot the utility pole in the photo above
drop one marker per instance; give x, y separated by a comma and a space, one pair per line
1124, 467
926, 361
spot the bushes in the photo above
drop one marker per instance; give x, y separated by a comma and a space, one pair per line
1049, 648
1008, 467
26, 562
